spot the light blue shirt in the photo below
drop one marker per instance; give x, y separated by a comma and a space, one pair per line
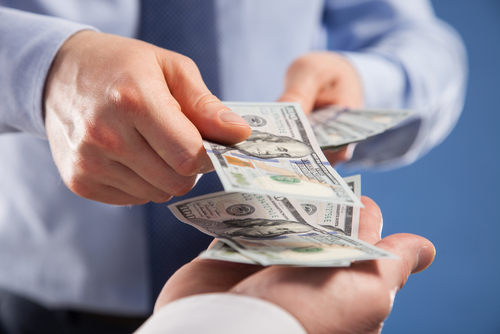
66, 251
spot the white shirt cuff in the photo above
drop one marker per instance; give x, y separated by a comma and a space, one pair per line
221, 313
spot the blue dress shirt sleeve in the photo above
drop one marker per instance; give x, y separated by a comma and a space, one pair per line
406, 58
29, 43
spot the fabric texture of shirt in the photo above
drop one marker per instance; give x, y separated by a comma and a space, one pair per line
66, 251
220, 313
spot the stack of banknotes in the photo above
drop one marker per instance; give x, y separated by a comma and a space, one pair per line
283, 204
336, 126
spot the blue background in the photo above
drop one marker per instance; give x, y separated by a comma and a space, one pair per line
451, 196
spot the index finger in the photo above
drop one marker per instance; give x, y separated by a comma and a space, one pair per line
214, 120
170, 133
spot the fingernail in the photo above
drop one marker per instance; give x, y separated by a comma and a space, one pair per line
425, 257
227, 116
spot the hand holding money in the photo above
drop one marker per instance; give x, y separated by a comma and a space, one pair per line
281, 157
324, 300
324, 78
279, 230
271, 179
119, 131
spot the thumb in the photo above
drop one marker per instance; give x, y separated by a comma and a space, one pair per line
416, 254
218, 123
214, 120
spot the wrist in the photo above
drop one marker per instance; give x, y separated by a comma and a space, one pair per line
60, 71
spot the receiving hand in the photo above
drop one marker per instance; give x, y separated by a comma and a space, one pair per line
324, 300
125, 119
318, 79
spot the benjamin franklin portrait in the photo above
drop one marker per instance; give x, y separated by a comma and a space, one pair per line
251, 227
270, 146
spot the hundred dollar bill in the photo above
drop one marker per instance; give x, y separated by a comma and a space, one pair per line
281, 157
222, 252
334, 135
386, 118
313, 250
339, 218
336, 126
270, 230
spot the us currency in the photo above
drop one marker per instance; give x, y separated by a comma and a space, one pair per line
223, 252
271, 230
281, 157
311, 250
338, 218
336, 126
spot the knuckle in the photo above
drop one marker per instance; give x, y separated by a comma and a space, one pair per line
181, 187
184, 70
186, 162
79, 177
185, 64
125, 95
128, 202
302, 63
161, 197
83, 167
102, 136
124, 200
134, 201
294, 94
171, 105
205, 99
80, 186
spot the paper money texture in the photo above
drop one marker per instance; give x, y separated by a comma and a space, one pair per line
281, 157
271, 230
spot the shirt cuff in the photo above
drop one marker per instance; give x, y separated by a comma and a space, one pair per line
221, 313
383, 80
29, 42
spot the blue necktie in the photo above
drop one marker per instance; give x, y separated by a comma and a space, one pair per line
186, 27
